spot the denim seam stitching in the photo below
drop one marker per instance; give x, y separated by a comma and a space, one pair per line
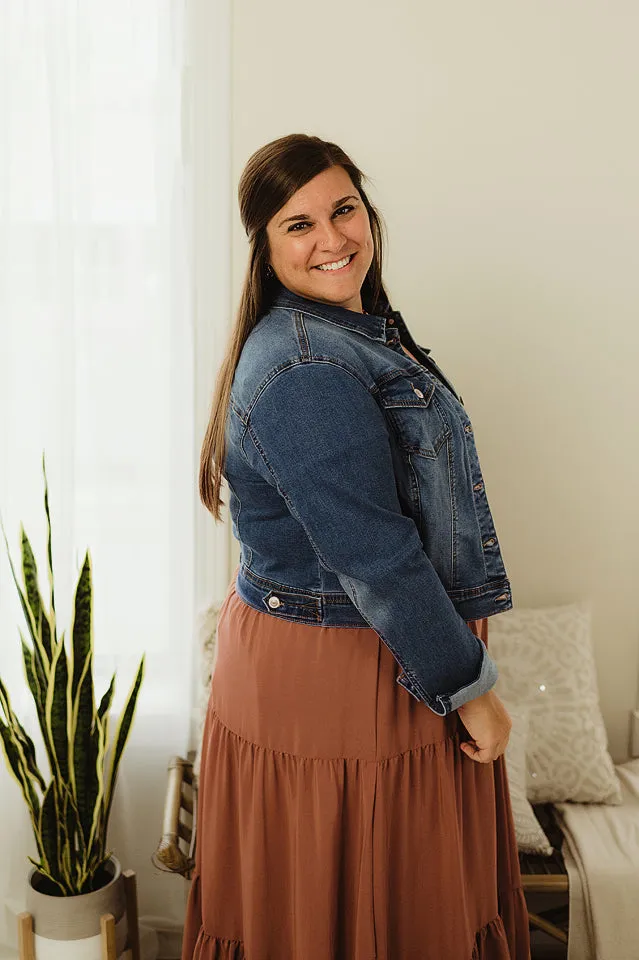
467, 593
303, 338
290, 364
353, 328
453, 511
415, 494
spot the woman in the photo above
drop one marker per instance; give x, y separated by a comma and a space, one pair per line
353, 798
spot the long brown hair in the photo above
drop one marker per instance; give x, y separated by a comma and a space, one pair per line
270, 178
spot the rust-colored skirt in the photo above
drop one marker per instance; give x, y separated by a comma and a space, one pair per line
338, 818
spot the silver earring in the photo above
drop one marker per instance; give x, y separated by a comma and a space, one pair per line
269, 271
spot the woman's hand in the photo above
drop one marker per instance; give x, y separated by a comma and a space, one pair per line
489, 724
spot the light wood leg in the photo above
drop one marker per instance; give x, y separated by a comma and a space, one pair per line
26, 943
550, 928
107, 930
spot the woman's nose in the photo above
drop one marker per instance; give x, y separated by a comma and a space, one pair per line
331, 238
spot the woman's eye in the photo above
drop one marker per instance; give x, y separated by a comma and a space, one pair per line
304, 223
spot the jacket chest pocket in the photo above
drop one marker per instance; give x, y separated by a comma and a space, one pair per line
414, 414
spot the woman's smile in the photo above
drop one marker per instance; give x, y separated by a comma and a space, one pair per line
336, 266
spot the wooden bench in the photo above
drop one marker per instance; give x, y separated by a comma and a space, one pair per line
545, 880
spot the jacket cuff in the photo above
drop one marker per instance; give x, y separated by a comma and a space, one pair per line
443, 703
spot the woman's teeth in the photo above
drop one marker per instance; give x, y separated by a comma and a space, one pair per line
337, 265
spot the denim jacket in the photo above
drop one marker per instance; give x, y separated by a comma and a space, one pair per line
356, 494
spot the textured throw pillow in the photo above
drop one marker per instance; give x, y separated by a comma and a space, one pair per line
545, 661
529, 832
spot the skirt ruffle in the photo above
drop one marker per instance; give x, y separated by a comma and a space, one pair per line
506, 937
491, 942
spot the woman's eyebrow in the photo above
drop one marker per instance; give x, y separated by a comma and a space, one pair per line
305, 216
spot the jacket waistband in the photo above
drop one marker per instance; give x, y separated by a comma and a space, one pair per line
338, 610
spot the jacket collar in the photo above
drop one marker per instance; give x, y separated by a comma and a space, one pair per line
370, 325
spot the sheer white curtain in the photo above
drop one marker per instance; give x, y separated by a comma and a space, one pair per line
98, 371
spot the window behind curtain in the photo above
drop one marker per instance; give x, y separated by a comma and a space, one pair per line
96, 362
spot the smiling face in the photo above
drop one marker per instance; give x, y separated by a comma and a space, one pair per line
324, 223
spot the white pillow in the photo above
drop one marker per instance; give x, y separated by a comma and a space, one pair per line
545, 662
529, 832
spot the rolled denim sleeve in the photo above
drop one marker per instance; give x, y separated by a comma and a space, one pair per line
316, 433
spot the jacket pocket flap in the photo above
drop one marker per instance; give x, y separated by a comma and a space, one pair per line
406, 391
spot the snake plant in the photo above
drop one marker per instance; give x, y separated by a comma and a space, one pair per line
69, 813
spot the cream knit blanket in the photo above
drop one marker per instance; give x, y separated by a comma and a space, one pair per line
601, 852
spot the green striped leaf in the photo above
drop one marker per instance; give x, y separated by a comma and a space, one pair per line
17, 766
99, 864
20, 733
82, 631
32, 679
97, 831
82, 698
42, 869
85, 754
107, 699
23, 741
28, 613
122, 735
37, 682
42, 676
48, 825
56, 712
52, 615
72, 820
30, 579
67, 824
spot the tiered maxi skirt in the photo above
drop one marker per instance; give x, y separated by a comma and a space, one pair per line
338, 818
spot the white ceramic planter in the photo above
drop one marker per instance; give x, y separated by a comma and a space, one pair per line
68, 928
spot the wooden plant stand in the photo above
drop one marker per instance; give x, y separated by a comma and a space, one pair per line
26, 941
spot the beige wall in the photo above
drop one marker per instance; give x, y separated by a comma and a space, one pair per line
504, 148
